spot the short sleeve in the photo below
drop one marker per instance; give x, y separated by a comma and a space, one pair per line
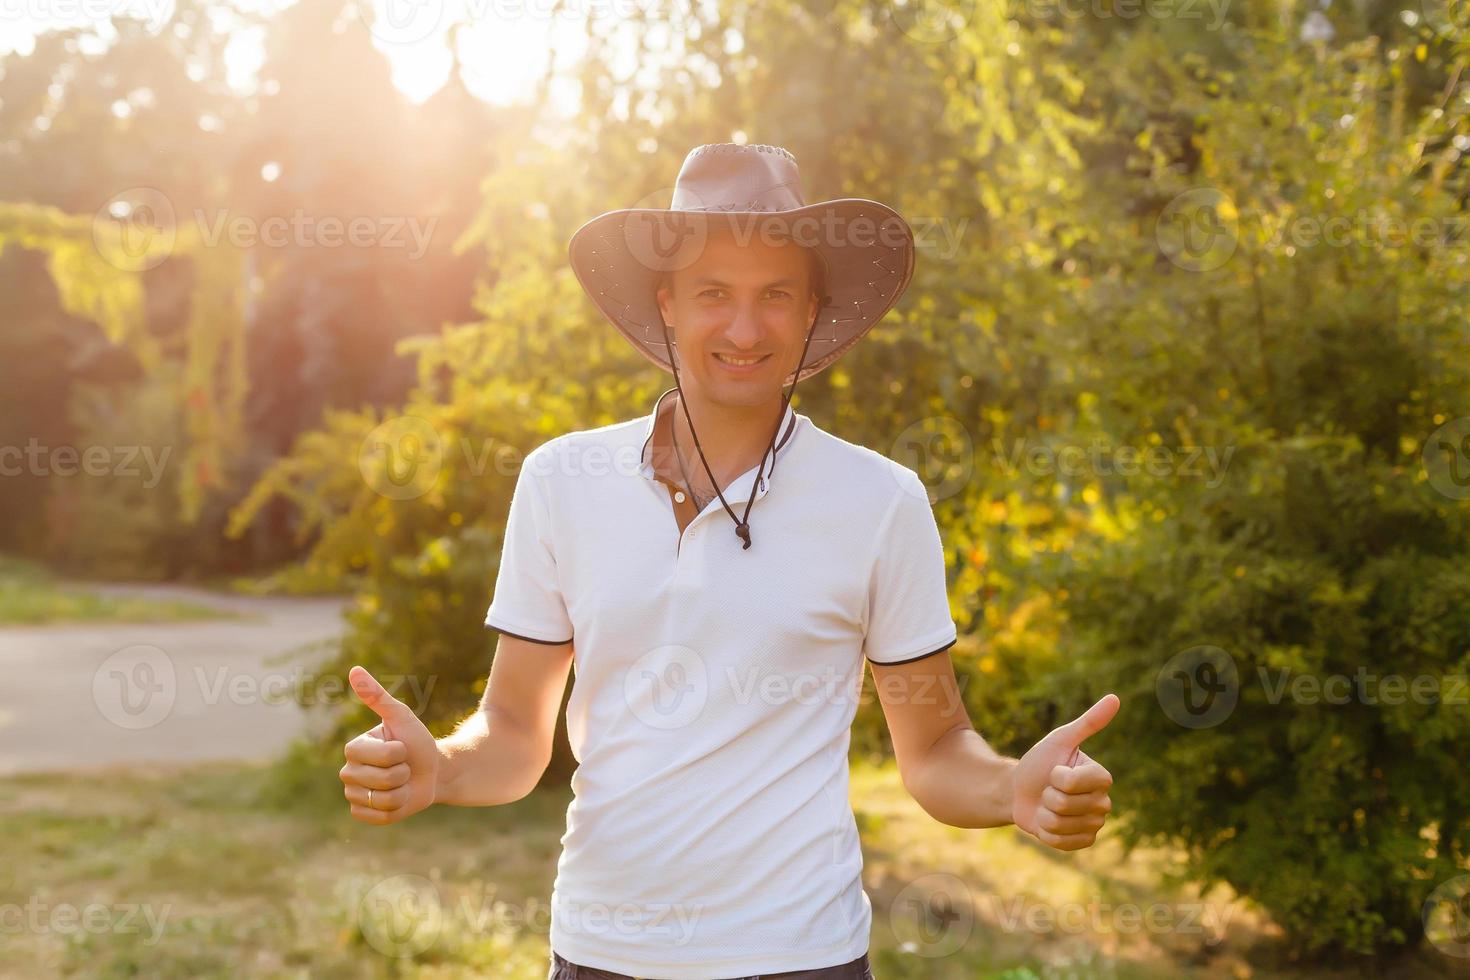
908, 597
527, 601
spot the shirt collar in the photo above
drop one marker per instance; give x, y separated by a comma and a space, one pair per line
787, 429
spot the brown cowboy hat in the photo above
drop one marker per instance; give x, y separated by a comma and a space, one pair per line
754, 191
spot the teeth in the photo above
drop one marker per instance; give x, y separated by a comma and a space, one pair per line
740, 362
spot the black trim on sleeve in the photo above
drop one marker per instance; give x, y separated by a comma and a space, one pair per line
518, 636
895, 663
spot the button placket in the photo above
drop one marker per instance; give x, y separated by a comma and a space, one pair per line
760, 475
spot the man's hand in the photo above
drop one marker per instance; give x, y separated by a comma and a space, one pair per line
1060, 794
398, 760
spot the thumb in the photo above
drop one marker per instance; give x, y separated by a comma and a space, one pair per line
1089, 723
376, 697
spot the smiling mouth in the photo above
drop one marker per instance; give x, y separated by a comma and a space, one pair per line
734, 361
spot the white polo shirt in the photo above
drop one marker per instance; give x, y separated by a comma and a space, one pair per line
710, 834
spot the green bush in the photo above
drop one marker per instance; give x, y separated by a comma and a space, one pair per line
1325, 548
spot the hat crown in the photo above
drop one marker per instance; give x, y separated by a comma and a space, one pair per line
738, 177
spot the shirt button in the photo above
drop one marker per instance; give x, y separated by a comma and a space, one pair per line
679, 496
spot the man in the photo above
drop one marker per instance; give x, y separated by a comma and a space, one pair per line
717, 674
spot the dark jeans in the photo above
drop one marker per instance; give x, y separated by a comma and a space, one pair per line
858, 969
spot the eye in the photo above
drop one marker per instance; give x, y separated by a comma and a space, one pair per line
780, 293
712, 292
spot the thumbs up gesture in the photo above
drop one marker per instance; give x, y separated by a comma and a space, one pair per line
391, 770
1060, 794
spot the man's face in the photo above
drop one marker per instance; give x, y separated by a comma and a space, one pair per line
740, 301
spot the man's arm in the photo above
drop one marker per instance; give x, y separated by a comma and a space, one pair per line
945, 765
498, 754
1055, 793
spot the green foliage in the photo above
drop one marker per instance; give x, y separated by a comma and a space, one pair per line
1323, 550
1338, 818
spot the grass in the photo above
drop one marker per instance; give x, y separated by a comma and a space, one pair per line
239, 871
30, 596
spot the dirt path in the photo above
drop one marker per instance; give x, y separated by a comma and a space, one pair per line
99, 695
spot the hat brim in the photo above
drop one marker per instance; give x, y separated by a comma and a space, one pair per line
868, 248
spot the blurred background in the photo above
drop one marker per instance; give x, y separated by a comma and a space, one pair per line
1185, 365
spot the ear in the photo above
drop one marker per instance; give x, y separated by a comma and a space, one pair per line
665, 305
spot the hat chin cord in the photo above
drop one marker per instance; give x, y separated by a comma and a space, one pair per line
742, 524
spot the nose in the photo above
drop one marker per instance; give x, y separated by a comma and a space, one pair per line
745, 329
